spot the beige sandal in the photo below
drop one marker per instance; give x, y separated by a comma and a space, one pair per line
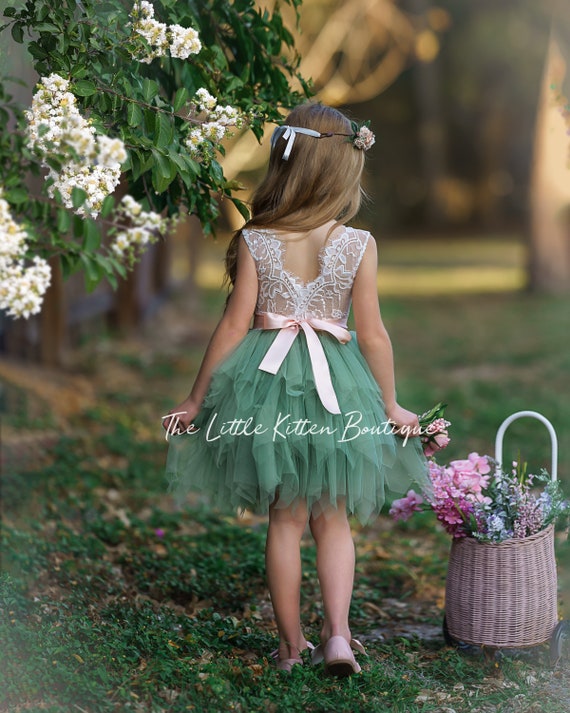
287, 664
338, 657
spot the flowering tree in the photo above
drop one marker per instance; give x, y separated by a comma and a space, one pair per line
133, 93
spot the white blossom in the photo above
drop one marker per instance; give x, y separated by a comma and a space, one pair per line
194, 142
180, 41
22, 287
144, 229
203, 139
12, 236
145, 8
91, 161
204, 100
213, 131
228, 116
154, 33
131, 207
184, 41
111, 152
97, 181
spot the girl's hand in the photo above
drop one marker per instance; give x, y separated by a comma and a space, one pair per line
406, 423
182, 416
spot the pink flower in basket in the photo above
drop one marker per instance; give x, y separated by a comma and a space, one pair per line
473, 497
456, 489
404, 508
471, 476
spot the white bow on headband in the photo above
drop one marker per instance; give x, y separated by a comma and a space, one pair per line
289, 133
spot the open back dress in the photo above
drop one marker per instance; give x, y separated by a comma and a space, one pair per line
294, 413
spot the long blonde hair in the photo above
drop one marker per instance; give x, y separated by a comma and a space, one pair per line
319, 182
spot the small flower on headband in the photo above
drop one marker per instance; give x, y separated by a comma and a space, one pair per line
363, 137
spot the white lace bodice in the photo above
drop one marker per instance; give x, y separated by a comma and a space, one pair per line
328, 296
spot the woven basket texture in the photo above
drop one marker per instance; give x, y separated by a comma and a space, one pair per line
502, 594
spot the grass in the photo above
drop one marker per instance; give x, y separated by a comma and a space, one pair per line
111, 599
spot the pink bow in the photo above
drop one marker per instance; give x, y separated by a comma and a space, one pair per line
289, 328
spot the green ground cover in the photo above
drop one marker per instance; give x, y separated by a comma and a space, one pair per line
113, 600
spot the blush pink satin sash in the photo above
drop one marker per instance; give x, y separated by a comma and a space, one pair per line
289, 328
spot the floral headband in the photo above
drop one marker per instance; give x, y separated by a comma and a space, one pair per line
361, 137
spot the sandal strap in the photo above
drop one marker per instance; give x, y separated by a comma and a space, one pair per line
357, 646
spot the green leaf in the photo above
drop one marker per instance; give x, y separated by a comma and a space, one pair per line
107, 207
78, 197
217, 172
150, 89
77, 226
134, 114
117, 266
18, 32
180, 98
163, 171
84, 88
69, 262
17, 196
91, 236
163, 131
37, 51
54, 163
93, 272
193, 166
136, 162
242, 208
46, 27
63, 220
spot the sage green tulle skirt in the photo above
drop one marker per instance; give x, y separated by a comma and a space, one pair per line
265, 438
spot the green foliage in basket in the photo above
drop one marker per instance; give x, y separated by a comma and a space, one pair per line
517, 505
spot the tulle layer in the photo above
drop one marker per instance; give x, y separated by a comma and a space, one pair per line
265, 438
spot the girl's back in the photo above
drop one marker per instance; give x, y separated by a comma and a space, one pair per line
302, 251
306, 275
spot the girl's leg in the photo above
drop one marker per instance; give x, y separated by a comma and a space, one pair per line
335, 568
283, 566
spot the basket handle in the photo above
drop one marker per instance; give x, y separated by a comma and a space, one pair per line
533, 414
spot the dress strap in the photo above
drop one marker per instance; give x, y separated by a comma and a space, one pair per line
289, 328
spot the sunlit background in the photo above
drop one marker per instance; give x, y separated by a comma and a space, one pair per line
468, 180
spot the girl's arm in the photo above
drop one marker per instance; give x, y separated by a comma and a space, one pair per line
373, 338
231, 329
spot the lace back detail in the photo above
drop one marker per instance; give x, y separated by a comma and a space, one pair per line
328, 296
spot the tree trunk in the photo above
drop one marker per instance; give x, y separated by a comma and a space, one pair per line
53, 319
550, 180
431, 129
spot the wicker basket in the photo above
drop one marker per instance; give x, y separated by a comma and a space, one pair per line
504, 594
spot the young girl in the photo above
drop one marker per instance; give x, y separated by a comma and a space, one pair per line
294, 416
